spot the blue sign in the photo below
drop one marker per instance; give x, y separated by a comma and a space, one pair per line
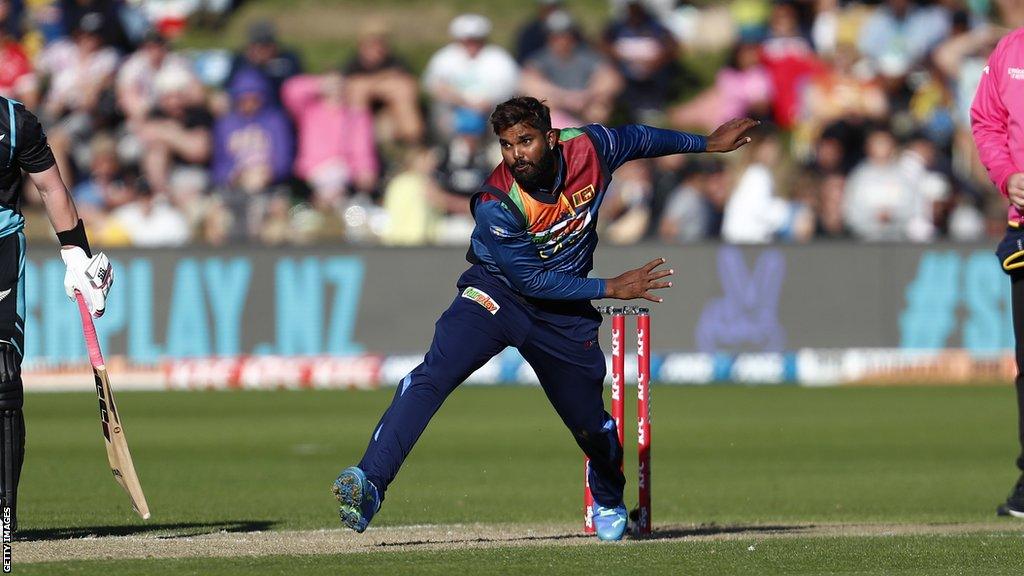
955, 295
214, 308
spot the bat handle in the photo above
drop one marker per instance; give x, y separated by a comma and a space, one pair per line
89, 329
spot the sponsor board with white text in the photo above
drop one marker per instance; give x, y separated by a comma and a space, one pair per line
809, 367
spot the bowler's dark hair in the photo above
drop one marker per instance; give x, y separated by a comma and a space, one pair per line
524, 109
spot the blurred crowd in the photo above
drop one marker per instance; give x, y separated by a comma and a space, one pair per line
865, 110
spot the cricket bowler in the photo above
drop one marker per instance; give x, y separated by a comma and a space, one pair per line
531, 250
23, 147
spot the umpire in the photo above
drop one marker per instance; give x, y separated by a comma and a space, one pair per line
23, 148
997, 122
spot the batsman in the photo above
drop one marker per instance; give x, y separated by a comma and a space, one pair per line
528, 287
23, 148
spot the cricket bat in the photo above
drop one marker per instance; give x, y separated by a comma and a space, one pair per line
118, 456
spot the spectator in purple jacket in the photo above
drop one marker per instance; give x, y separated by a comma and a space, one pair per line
253, 146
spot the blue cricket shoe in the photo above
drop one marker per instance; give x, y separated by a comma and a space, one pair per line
358, 496
610, 523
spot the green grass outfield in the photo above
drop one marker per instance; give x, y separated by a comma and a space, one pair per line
734, 458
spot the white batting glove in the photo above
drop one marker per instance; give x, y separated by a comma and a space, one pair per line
90, 276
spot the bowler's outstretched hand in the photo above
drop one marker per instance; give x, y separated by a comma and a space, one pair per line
638, 283
731, 135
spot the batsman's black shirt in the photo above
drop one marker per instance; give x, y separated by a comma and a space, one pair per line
22, 147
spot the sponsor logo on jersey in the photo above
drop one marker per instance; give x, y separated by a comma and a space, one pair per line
481, 298
564, 233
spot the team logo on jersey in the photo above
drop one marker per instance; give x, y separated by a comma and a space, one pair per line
481, 298
583, 196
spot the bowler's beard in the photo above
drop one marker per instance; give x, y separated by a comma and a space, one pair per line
535, 176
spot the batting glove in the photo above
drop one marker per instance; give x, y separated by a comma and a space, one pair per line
90, 276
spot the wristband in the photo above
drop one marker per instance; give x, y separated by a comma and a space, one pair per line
75, 237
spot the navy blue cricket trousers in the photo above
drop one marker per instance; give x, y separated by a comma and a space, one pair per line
558, 339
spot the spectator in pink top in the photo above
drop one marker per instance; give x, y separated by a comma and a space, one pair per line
997, 120
741, 88
336, 149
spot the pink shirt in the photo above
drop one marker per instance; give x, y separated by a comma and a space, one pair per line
328, 133
738, 90
997, 115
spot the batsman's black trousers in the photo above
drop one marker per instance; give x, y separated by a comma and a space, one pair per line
12, 290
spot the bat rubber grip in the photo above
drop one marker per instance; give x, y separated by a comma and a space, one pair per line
89, 329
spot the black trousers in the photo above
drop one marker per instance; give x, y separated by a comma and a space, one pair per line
1017, 298
12, 329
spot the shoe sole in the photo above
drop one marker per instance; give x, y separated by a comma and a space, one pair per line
1015, 513
348, 490
351, 518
